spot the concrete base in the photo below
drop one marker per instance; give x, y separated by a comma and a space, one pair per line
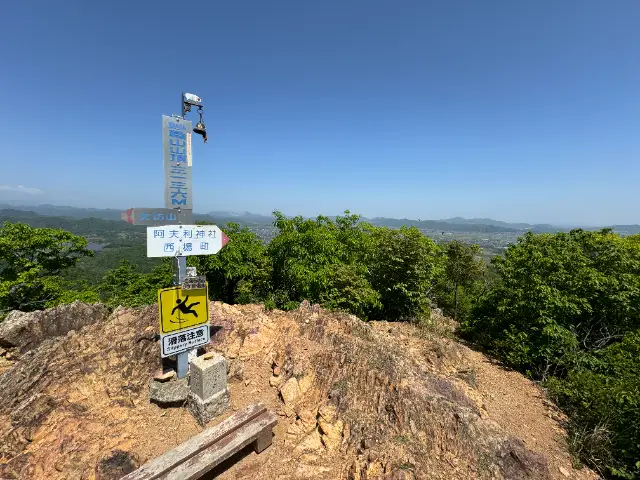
204, 410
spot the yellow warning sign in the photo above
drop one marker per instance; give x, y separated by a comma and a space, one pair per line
180, 310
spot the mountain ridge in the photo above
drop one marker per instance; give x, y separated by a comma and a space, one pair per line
487, 225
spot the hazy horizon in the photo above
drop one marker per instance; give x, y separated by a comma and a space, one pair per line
524, 112
16, 203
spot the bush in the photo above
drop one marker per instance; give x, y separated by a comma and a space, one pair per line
602, 398
567, 311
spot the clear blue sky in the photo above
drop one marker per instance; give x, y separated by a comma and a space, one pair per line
520, 111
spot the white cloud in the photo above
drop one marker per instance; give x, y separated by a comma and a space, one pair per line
21, 189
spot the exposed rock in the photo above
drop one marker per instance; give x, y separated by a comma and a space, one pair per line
276, 381
236, 370
390, 392
27, 330
169, 394
305, 384
307, 420
518, 462
468, 375
290, 391
332, 433
116, 465
310, 443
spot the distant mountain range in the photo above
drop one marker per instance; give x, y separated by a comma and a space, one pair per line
456, 224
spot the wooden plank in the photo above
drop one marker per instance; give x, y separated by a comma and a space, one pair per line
217, 453
183, 452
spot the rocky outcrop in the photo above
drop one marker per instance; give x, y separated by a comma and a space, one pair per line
26, 330
356, 400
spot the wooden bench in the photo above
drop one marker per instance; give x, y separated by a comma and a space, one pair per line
209, 448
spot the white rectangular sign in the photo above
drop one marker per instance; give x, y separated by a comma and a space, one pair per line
184, 240
173, 343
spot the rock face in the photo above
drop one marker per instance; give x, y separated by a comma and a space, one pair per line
356, 400
27, 330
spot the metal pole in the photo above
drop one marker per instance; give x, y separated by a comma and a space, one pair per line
179, 271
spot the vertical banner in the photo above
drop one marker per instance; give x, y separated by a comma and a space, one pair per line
176, 134
189, 157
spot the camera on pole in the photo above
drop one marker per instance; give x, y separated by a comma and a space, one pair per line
189, 100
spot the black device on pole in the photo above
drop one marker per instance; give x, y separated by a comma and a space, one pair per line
189, 100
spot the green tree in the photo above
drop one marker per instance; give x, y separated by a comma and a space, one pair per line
316, 259
403, 267
602, 398
567, 311
559, 294
31, 260
240, 272
462, 268
126, 287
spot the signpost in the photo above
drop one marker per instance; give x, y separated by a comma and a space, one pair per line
184, 316
184, 240
156, 216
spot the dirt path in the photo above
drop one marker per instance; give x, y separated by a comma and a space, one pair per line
520, 407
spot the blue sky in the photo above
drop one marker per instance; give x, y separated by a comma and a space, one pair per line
520, 111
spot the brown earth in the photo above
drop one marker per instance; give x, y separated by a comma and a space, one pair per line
355, 401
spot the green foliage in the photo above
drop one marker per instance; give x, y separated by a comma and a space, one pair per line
602, 398
567, 311
314, 259
30, 260
124, 286
92, 269
93, 229
403, 267
559, 294
463, 279
240, 272
349, 290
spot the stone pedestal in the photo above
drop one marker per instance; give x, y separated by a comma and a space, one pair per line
205, 410
208, 396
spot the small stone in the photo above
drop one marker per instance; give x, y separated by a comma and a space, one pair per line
236, 370
328, 413
161, 376
275, 381
276, 370
209, 355
307, 420
305, 384
564, 471
290, 391
332, 437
